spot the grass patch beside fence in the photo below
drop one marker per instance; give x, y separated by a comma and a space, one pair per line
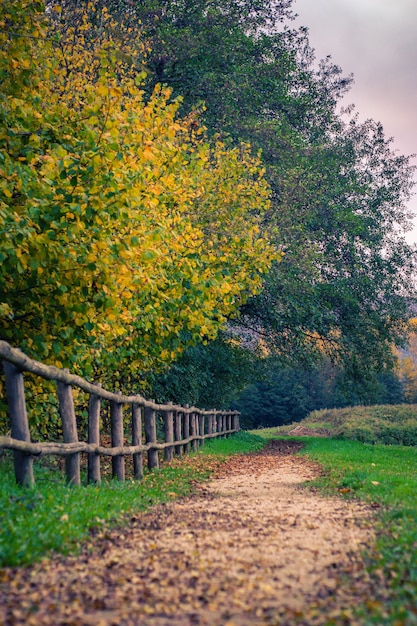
54, 517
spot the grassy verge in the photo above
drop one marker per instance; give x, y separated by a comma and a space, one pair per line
382, 424
386, 475
54, 517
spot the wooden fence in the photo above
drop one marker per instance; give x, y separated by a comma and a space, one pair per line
185, 428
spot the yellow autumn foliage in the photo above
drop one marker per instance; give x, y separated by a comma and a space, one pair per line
125, 235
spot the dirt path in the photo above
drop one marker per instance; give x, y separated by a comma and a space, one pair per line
251, 548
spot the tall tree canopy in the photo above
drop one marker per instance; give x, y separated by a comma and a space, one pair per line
339, 190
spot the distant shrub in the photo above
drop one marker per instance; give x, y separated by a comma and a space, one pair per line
381, 424
359, 433
405, 435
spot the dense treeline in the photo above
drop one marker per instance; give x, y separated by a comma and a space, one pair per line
288, 395
182, 193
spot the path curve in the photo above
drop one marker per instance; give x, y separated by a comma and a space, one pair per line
251, 548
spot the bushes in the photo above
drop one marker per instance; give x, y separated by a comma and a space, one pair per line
405, 435
382, 424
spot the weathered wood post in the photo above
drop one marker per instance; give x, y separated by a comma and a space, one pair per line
117, 438
137, 441
186, 428
69, 431
169, 433
15, 394
210, 424
235, 421
201, 424
94, 475
150, 437
194, 431
178, 431
219, 423
224, 425
215, 422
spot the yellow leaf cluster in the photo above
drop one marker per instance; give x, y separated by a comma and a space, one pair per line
125, 234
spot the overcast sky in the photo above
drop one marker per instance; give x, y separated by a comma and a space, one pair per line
376, 40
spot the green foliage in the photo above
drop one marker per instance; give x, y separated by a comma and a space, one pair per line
285, 395
386, 476
126, 228
279, 399
390, 424
206, 375
339, 189
54, 517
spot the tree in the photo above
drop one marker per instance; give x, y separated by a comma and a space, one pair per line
346, 276
339, 191
407, 364
122, 226
209, 375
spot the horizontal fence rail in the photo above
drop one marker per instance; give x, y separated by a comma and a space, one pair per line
185, 428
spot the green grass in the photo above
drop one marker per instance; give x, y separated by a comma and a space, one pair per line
387, 476
54, 517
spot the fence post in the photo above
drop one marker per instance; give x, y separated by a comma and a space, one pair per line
94, 437
214, 421
235, 421
210, 424
116, 419
194, 431
186, 428
69, 431
178, 431
169, 433
15, 394
137, 441
150, 437
201, 418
